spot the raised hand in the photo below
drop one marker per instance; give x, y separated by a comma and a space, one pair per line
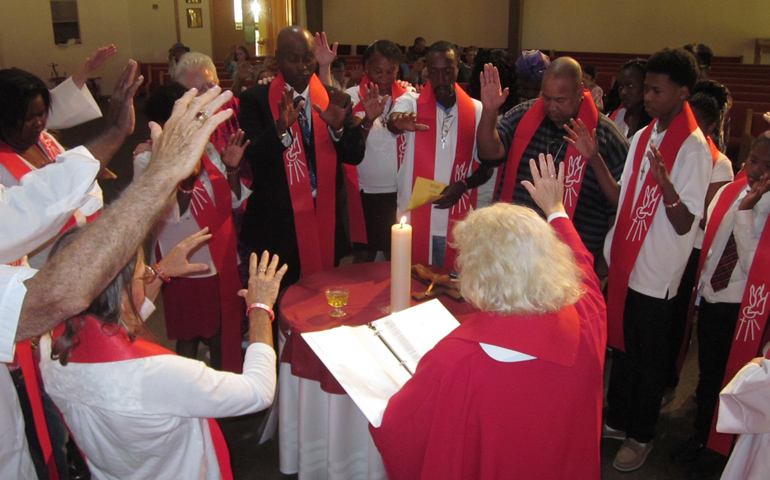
492, 96
373, 104
356, 74
121, 115
179, 147
176, 263
400, 122
658, 168
585, 142
233, 152
92, 63
323, 54
547, 186
287, 112
264, 279
336, 111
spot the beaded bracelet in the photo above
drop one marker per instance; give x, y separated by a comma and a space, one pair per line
232, 172
188, 192
159, 272
261, 306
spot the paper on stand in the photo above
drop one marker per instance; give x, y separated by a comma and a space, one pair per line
364, 365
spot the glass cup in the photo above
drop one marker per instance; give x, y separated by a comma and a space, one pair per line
337, 297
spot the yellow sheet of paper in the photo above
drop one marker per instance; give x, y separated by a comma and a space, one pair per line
425, 191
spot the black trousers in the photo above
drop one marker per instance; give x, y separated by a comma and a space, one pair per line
716, 327
639, 374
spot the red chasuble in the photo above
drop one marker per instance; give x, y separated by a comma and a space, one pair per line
464, 415
750, 330
574, 163
425, 164
218, 217
635, 218
355, 208
314, 220
98, 346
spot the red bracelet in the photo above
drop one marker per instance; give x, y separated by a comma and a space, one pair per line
261, 306
672, 205
159, 272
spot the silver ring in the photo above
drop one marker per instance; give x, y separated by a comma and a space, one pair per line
553, 176
201, 117
262, 270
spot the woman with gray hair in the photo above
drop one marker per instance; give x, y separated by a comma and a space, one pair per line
516, 390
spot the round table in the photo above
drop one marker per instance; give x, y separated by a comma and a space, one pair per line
323, 434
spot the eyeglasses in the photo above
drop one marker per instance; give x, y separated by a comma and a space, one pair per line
148, 277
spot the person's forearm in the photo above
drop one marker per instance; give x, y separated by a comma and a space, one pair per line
678, 214
488, 142
325, 74
106, 144
609, 186
260, 330
72, 278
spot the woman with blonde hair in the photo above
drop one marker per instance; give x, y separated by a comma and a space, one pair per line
516, 390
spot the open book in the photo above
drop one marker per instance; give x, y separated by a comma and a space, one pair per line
373, 361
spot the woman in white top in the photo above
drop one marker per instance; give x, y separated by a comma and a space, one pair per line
137, 410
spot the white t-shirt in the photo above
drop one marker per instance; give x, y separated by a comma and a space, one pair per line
445, 157
379, 168
722, 172
664, 253
146, 418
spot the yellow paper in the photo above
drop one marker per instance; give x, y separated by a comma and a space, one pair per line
425, 191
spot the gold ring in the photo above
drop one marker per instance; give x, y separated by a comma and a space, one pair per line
201, 117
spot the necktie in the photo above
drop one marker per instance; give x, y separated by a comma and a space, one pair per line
304, 125
724, 270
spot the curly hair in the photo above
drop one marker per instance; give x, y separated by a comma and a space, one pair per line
107, 307
512, 262
506, 67
677, 63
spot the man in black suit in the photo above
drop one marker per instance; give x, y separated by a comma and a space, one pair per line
295, 155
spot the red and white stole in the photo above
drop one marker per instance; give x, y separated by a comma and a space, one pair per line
98, 346
750, 331
614, 115
635, 218
313, 220
18, 167
425, 165
229, 127
574, 163
355, 208
223, 247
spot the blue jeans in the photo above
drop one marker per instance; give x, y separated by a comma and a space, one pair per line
439, 248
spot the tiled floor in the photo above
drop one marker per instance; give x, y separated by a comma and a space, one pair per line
253, 461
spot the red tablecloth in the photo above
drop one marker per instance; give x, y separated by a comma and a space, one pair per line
303, 308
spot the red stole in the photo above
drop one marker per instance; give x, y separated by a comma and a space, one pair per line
97, 345
614, 115
355, 208
574, 163
229, 127
314, 221
635, 218
223, 248
425, 165
752, 318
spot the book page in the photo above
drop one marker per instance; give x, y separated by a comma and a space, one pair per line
362, 364
411, 333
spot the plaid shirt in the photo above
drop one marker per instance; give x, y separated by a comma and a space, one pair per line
593, 210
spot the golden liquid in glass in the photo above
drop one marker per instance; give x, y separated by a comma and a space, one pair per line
337, 298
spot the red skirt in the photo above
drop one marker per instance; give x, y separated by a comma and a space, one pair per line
191, 307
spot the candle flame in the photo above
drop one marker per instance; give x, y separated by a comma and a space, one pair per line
403, 221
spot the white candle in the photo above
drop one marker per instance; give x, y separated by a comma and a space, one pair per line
400, 266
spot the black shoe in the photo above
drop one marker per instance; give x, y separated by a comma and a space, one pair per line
688, 451
709, 465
